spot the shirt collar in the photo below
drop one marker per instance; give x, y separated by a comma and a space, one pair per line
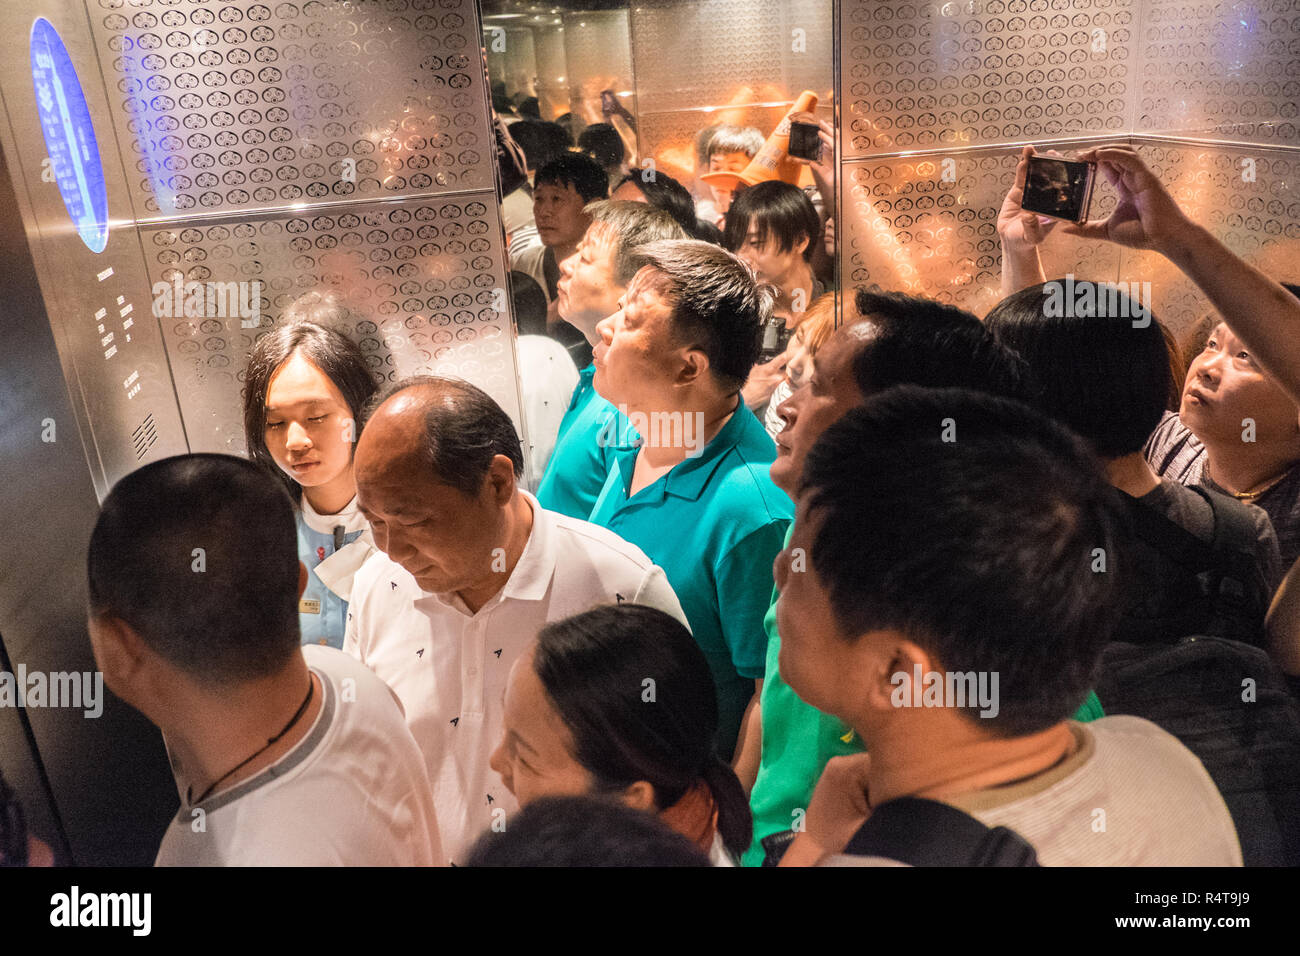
350, 517
691, 476
531, 577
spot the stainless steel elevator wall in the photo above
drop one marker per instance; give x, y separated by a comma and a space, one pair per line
933, 98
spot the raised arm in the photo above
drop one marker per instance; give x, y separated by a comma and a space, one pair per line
1021, 233
1262, 314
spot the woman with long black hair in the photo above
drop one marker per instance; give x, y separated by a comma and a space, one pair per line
304, 392
618, 701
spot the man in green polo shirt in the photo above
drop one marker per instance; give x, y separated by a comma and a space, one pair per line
695, 494
893, 340
592, 280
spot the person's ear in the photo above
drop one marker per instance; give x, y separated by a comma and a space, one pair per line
640, 796
501, 479
800, 247
302, 579
892, 663
694, 365
120, 653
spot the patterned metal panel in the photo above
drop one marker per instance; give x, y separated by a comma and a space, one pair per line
670, 137
249, 105
1248, 197
1226, 68
928, 225
909, 229
427, 274
598, 56
727, 52
918, 75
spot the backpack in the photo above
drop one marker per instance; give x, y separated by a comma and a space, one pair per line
929, 833
1186, 585
1195, 688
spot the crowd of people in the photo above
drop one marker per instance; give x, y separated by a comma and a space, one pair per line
901, 585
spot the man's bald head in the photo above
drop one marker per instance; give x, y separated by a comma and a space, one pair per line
442, 428
437, 468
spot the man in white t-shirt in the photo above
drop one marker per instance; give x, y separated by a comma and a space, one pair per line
954, 617
470, 569
283, 755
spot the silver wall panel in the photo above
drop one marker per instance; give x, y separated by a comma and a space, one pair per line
98, 303
427, 275
1206, 90
926, 224
918, 75
250, 105
737, 61
1222, 70
1248, 196
713, 52
597, 56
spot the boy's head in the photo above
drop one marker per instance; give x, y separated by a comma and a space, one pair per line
773, 226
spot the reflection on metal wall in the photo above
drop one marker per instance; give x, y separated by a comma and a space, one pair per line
926, 224
738, 61
597, 56
1224, 69
427, 273
921, 76
935, 97
243, 107
277, 112
1248, 196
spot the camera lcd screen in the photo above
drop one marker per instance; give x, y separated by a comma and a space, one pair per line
805, 143
1058, 188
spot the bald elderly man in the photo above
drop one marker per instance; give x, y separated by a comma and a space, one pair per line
470, 567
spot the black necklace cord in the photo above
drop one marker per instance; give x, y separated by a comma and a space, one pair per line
311, 688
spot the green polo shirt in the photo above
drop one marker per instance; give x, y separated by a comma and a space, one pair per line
578, 465
714, 523
798, 740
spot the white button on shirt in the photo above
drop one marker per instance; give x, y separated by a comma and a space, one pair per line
449, 667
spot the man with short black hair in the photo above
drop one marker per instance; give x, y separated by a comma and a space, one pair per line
893, 339
694, 492
283, 755
774, 228
660, 190
562, 188
592, 281
471, 567
957, 630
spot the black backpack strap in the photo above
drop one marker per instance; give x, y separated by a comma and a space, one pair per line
929, 833
1236, 542
1169, 537
1234, 528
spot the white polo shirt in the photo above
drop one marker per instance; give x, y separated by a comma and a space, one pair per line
353, 792
449, 667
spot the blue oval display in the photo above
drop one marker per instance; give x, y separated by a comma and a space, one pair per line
69, 135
